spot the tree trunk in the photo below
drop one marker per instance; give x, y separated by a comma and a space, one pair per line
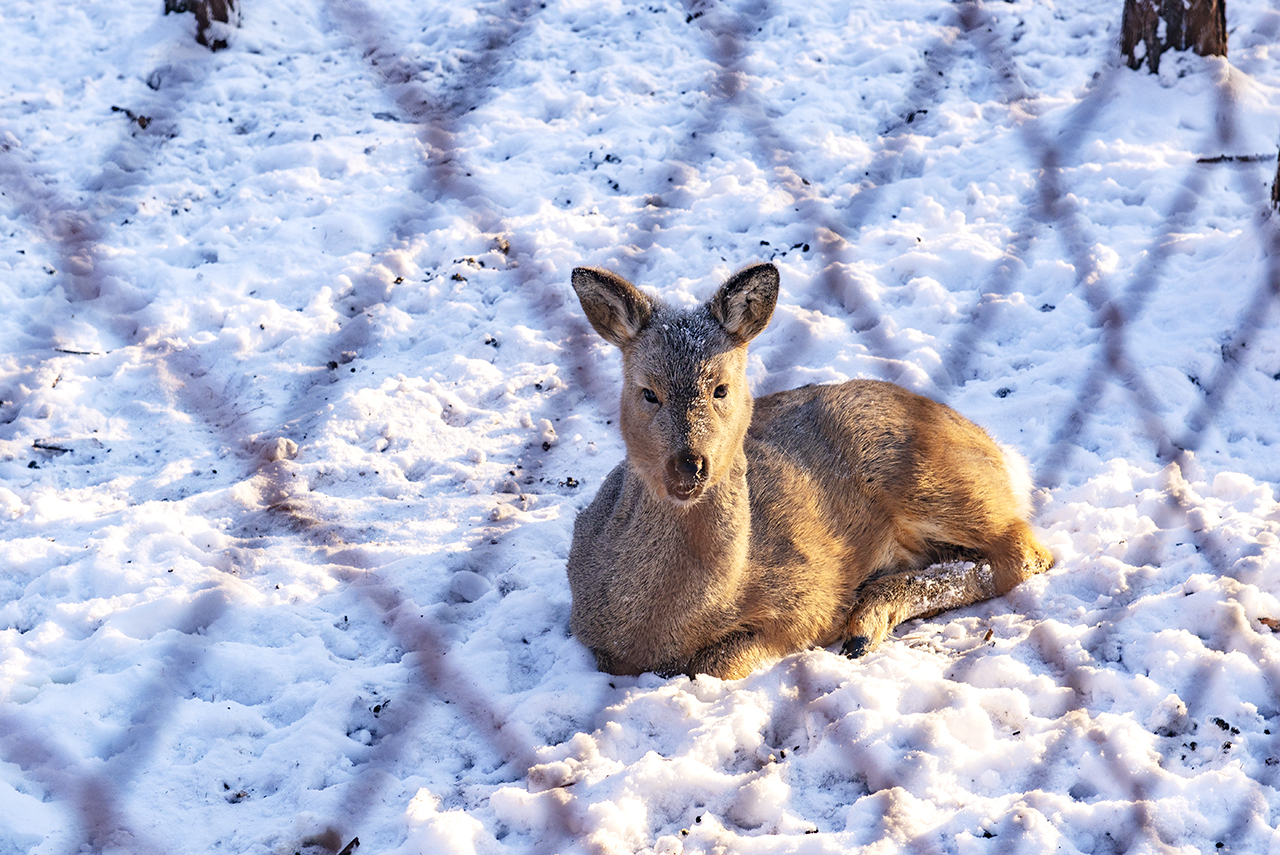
1275, 187
210, 15
1200, 25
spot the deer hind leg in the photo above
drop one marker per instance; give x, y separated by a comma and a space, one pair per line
886, 601
1016, 556
1000, 563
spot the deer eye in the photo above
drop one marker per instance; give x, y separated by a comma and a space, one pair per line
649, 397
721, 391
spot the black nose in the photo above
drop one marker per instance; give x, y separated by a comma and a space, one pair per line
688, 463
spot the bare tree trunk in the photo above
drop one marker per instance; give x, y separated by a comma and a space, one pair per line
1200, 25
210, 15
1275, 187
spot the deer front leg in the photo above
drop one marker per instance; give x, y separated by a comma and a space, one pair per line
886, 601
730, 658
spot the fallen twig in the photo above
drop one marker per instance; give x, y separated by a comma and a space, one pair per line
1236, 158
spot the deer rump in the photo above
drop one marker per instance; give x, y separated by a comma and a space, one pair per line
739, 531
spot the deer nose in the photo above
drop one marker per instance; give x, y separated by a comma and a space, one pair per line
686, 471
690, 464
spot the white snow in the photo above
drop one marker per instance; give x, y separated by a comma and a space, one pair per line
297, 409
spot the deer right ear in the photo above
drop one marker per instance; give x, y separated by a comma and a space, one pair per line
616, 308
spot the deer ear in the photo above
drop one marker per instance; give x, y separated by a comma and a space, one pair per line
615, 307
744, 304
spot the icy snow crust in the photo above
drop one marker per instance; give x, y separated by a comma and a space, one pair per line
297, 409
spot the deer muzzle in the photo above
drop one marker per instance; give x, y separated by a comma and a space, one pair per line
685, 475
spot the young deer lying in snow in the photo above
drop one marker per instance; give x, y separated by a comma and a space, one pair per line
736, 533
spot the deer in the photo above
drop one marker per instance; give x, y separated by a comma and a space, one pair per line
738, 531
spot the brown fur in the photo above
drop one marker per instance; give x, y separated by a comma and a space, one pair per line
737, 532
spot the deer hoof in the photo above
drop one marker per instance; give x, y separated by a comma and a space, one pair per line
856, 646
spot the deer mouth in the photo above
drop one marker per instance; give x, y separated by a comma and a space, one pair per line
684, 492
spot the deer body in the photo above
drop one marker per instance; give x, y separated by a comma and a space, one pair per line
738, 531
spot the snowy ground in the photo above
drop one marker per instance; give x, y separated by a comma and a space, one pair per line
297, 409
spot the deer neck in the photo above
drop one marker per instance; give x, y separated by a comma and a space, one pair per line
707, 539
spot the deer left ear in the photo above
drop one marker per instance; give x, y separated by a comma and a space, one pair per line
744, 304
